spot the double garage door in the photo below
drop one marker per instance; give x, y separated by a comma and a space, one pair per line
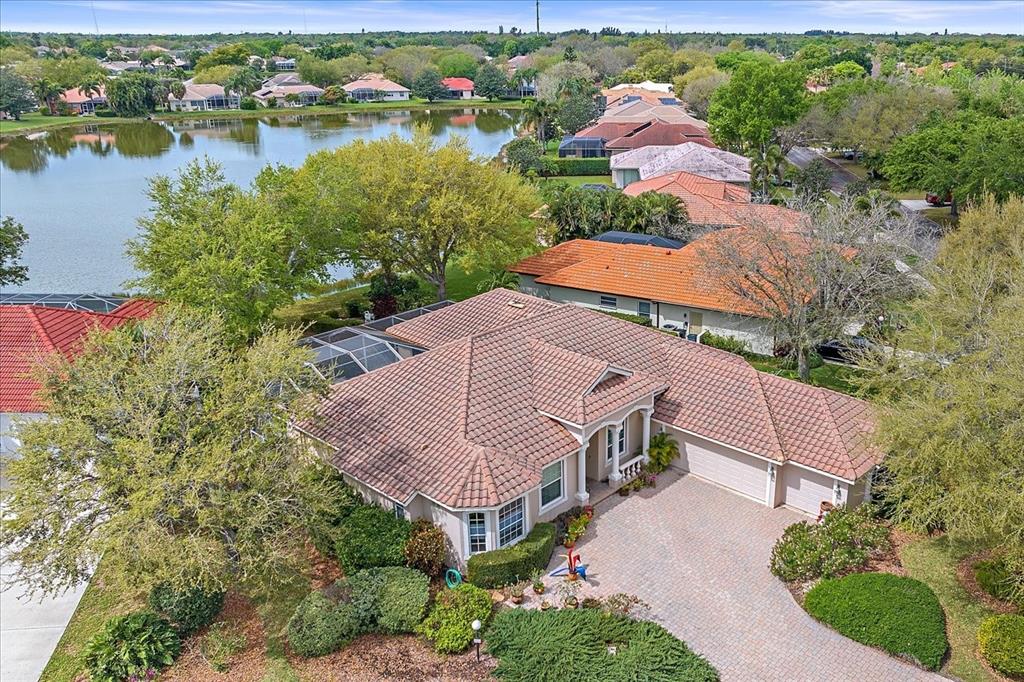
734, 470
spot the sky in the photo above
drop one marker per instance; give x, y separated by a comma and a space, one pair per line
322, 16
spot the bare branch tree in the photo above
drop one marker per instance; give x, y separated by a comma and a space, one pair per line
841, 266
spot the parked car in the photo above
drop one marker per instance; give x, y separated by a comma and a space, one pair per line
845, 350
939, 199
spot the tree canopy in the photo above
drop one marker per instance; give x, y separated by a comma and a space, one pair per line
428, 86
167, 452
209, 244
16, 96
12, 239
760, 97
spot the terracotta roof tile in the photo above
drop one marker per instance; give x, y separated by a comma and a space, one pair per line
460, 423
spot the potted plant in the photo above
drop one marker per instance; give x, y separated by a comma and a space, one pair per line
577, 527
588, 511
538, 582
567, 591
545, 605
516, 593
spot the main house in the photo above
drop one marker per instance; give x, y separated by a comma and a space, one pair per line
459, 88
289, 95
610, 137
203, 97
699, 159
376, 88
519, 408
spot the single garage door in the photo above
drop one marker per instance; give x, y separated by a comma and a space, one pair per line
734, 470
805, 490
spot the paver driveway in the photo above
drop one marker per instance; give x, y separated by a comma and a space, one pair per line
698, 555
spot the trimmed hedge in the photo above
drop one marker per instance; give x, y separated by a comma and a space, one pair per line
371, 537
130, 646
582, 167
321, 626
1001, 640
449, 625
897, 614
513, 564
392, 599
551, 646
642, 320
727, 343
188, 609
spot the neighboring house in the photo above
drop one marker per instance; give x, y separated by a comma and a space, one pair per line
625, 94
117, 67
590, 142
281, 64
374, 87
659, 133
283, 79
307, 94
649, 86
519, 408
522, 61
641, 112
82, 104
203, 97
698, 159
30, 332
459, 88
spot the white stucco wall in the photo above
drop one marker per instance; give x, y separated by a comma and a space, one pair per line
752, 330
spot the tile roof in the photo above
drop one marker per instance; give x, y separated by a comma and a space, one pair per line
639, 110
691, 157
661, 133
609, 130
29, 332
76, 96
454, 83
380, 83
461, 423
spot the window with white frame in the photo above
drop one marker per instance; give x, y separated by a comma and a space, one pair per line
477, 532
511, 522
551, 484
610, 443
609, 302
399, 511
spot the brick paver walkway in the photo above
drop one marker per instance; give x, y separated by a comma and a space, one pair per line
698, 555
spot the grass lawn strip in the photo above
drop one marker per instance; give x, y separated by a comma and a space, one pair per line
934, 561
899, 615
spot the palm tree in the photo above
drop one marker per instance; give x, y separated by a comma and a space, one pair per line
538, 113
243, 82
177, 88
91, 86
47, 92
766, 163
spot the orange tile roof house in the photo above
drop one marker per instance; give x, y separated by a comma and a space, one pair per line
81, 103
609, 137
519, 408
459, 88
30, 332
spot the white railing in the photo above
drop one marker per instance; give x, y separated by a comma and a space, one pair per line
631, 469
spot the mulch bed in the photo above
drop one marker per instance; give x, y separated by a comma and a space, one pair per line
969, 581
249, 664
393, 657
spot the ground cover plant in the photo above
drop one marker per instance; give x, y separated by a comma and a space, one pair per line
528, 643
898, 614
843, 541
994, 577
449, 624
1001, 639
131, 646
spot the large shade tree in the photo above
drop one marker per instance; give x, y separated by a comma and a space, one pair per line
12, 239
167, 453
952, 403
210, 244
417, 206
759, 98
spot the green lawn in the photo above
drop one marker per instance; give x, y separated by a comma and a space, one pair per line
36, 121
576, 180
933, 561
99, 603
835, 376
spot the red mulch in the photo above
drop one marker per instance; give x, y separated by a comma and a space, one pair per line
249, 664
393, 657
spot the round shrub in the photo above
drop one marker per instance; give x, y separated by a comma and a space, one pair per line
897, 614
188, 609
449, 624
995, 578
844, 540
131, 645
320, 626
1001, 639
391, 599
427, 548
371, 537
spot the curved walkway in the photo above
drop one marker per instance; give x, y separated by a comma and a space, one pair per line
698, 555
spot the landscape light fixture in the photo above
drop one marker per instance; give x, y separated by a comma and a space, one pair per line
476, 625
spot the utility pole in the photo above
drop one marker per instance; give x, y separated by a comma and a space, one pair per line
95, 23
538, 16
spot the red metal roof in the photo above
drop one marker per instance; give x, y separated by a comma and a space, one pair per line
31, 332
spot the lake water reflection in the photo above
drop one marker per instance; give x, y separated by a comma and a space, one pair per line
79, 191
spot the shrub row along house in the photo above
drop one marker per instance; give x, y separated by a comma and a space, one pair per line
519, 408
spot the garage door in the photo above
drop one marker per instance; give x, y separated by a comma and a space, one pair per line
734, 470
805, 490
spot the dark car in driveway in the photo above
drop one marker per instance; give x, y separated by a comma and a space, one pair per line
845, 350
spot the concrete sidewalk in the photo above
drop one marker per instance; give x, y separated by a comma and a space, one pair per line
30, 629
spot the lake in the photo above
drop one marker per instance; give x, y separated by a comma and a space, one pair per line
79, 191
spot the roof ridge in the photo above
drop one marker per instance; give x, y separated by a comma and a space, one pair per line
465, 390
40, 328
834, 432
776, 431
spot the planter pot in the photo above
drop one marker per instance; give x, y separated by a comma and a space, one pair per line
538, 589
572, 576
569, 544
517, 600
570, 603
545, 605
